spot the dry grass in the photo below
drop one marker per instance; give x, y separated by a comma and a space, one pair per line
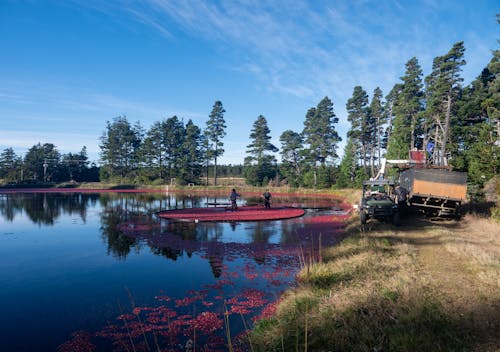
477, 244
423, 286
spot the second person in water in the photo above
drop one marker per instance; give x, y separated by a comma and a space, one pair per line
233, 196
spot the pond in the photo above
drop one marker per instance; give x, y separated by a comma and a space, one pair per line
101, 271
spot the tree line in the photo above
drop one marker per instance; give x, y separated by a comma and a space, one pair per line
456, 126
43, 163
184, 153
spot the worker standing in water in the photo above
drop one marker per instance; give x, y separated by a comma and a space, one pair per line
267, 199
233, 196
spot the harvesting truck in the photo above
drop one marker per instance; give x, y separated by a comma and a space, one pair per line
435, 190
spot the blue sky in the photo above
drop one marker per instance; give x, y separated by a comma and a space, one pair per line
67, 67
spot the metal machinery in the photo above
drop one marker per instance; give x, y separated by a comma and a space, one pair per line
436, 190
379, 202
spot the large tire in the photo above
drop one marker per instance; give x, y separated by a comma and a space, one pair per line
396, 220
362, 217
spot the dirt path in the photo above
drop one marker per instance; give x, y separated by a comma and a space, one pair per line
460, 261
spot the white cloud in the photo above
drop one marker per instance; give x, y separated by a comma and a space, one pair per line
309, 49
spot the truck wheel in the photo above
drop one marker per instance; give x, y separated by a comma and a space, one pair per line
362, 217
396, 219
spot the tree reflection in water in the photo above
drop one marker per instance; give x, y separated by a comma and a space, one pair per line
249, 275
46, 208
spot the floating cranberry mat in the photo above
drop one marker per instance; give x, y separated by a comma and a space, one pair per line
245, 213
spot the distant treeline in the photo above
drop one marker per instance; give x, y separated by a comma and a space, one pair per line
456, 126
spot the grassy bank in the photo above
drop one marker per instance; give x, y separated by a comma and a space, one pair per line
423, 286
349, 194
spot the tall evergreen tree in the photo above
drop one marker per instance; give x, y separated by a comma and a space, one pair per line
215, 132
443, 90
391, 102
173, 135
292, 150
471, 114
320, 135
192, 154
379, 120
10, 165
407, 111
41, 162
348, 168
260, 163
205, 153
493, 102
411, 98
153, 151
308, 136
261, 140
119, 147
484, 156
362, 126
478, 135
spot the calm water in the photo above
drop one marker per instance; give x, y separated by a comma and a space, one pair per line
101, 271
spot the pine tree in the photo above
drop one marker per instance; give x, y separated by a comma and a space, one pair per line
292, 150
119, 147
478, 133
379, 119
471, 114
348, 166
362, 126
492, 104
320, 135
261, 165
41, 162
153, 151
261, 140
10, 165
443, 90
484, 156
173, 136
215, 132
391, 102
411, 97
192, 154
407, 111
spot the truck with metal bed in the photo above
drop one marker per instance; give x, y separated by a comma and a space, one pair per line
435, 191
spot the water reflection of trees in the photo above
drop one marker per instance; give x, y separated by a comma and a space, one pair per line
128, 223
122, 214
118, 244
46, 208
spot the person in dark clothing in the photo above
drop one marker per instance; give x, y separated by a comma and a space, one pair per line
233, 196
267, 199
401, 194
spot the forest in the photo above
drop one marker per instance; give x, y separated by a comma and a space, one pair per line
458, 126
